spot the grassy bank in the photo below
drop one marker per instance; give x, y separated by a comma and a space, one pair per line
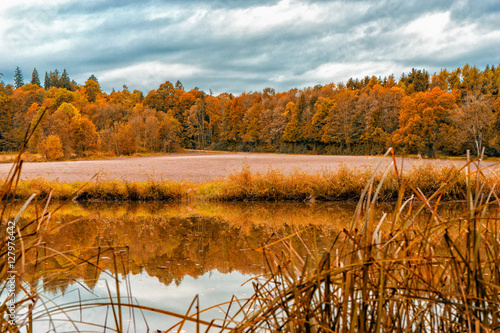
342, 184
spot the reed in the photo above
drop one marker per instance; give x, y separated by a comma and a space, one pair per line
392, 274
343, 183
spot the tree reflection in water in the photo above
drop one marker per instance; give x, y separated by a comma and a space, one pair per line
170, 242
163, 248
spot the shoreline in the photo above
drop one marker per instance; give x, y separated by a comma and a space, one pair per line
342, 184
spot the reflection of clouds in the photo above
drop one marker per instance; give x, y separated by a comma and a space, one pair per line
213, 288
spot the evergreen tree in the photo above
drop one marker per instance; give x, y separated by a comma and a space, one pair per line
416, 80
64, 81
18, 78
35, 79
54, 78
46, 82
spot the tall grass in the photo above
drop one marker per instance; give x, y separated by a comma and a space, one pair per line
343, 183
392, 274
109, 190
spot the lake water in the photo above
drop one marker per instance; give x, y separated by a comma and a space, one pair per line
166, 254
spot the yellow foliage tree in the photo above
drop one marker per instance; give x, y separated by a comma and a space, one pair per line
53, 148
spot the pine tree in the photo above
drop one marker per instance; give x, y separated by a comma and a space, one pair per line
18, 78
46, 82
64, 81
54, 78
35, 79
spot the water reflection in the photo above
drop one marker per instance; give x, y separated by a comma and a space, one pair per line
213, 288
171, 252
170, 242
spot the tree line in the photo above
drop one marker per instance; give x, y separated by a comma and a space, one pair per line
444, 113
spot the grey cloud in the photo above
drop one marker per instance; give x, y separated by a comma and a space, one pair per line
120, 34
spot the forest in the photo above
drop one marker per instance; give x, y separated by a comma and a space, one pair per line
445, 113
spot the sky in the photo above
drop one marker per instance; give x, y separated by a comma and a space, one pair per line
240, 46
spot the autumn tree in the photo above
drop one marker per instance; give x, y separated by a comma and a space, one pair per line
53, 148
83, 136
380, 107
272, 126
195, 122
252, 125
92, 90
338, 127
475, 118
425, 121
126, 140
293, 130
60, 122
151, 131
6, 117
213, 113
146, 124
314, 129
22, 99
36, 144
162, 99
235, 119
169, 132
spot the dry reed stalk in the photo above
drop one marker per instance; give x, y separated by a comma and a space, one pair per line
392, 274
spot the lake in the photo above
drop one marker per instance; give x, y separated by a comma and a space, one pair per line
166, 254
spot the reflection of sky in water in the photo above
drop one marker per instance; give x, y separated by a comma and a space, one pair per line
188, 244
213, 288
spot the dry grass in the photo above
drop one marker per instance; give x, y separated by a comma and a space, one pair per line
343, 184
111, 190
390, 275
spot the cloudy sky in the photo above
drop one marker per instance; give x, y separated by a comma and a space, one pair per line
238, 45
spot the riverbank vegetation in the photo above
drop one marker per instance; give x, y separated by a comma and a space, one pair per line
341, 184
390, 274
418, 113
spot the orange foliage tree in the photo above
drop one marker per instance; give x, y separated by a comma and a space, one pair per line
53, 148
425, 121
84, 138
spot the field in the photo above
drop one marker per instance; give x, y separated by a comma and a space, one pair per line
200, 166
